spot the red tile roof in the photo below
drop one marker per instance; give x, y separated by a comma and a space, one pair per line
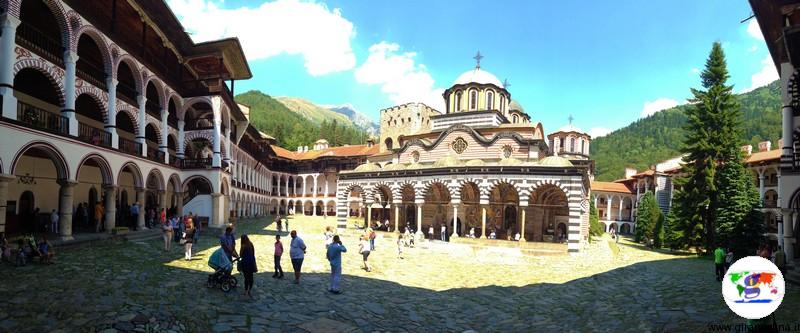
764, 156
343, 151
611, 187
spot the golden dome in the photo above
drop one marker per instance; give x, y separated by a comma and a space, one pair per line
555, 161
509, 162
475, 163
394, 167
447, 161
366, 167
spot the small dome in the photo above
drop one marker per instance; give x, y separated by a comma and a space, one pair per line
366, 167
515, 106
447, 161
570, 128
478, 75
475, 163
394, 167
321, 141
412, 166
555, 161
509, 162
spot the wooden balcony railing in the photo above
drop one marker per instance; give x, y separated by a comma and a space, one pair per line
196, 163
37, 41
92, 74
94, 136
130, 147
155, 155
41, 119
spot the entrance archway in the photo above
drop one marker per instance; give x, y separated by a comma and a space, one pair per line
436, 209
548, 209
40, 169
503, 210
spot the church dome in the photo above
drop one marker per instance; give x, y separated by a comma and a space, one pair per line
394, 167
570, 128
479, 76
509, 162
366, 167
555, 161
475, 163
515, 106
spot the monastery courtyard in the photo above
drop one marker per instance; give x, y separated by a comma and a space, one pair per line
438, 287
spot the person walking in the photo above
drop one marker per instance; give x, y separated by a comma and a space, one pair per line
278, 221
364, 249
371, 235
188, 239
719, 262
297, 251
135, 214
334, 256
162, 217
175, 224
166, 232
98, 216
328, 236
278, 254
430, 232
444, 233
247, 265
400, 246
780, 260
228, 243
54, 222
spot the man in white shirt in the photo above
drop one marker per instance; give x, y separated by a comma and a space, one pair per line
297, 251
444, 233
54, 222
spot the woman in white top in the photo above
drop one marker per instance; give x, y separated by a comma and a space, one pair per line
364, 248
328, 236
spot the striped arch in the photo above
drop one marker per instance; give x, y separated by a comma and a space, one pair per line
189, 102
51, 151
171, 95
98, 95
352, 187
52, 72
158, 84
138, 181
99, 39
175, 181
133, 115
159, 178
105, 168
404, 184
478, 183
375, 191
426, 186
135, 69
193, 135
157, 127
553, 182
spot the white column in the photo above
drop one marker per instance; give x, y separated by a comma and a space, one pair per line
315, 186
419, 217
761, 184
110, 208
228, 144
455, 221
8, 24
304, 186
142, 100
111, 121
216, 107
326, 186
786, 73
483, 221
287, 186
608, 207
70, 60
523, 207
217, 216
142, 212
396, 216
780, 190
65, 209
619, 215
181, 137
595, 201
164, 132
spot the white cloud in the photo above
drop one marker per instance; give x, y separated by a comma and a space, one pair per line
597, 132
321, 35
765, 76
399, 76
652, 107
695, 70
754, 30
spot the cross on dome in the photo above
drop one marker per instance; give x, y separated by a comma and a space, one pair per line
570, 119
478, 58
506, 84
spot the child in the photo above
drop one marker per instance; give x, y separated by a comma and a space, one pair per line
44, 251
400, 246
21, 259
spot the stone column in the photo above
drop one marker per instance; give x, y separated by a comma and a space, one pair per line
314, 190
4, 180
140, 192
179, 203
619, 211
228, 144
304, 186
397, 217
419, 217
181, 137
8, 24
140, 137
216, 108
483, 221
761, 185
608, 207
217, 219
110, 207
111, 120
788, 235
455, 221
595, 201
162, 200
369, 213
523, 209
65, 208
70, 60
326, 186
574, 225
164, 132
780, 190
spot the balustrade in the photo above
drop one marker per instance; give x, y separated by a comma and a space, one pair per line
94, 136
42, 119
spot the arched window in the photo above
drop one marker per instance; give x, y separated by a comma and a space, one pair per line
458, 100
489, 100
516, 119
388, 143
583, 146
502, 104
572, 145
473, 99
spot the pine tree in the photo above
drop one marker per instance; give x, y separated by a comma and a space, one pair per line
712, 135
595, 229
647, 217
739, 199
672, 236
658, 231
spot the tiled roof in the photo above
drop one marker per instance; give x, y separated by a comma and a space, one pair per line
764, 156
611, 187
343, 151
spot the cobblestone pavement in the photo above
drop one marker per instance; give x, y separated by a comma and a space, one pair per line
135, 286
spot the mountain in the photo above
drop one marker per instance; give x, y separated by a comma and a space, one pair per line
659, 137
293, 129
313, 112
358, 118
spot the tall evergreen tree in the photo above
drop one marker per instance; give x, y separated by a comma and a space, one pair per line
738, 199
712, 135
595, 229
672, 236
647, 216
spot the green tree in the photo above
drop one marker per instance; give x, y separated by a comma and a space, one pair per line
738, 201
658, 231
712, 135
647, 217
672, 237
595, 229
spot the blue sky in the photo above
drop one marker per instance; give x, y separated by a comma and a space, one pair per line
606, 63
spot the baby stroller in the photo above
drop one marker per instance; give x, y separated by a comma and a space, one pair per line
223, 267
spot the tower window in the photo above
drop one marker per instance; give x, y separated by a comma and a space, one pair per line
489, 100
502, 104
473, 99
458, 100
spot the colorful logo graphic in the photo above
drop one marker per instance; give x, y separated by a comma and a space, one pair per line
753, 287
